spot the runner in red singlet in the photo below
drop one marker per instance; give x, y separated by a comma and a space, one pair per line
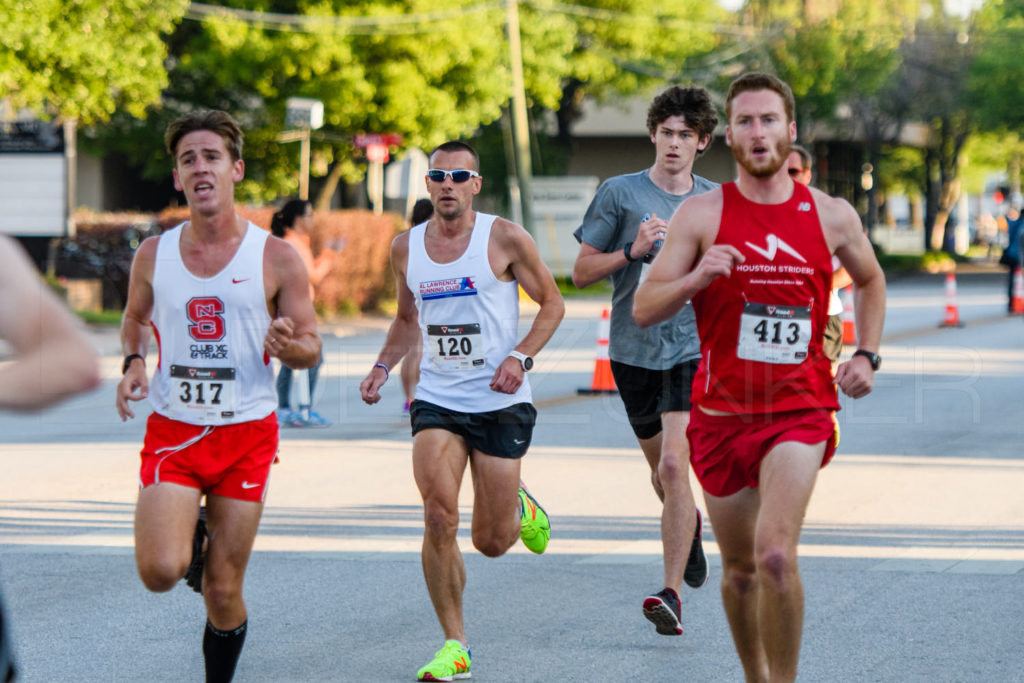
755, 258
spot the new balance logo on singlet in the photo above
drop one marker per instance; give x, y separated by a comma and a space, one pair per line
774, 246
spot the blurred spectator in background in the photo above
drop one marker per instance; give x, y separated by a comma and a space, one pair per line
1011, 254
294, 223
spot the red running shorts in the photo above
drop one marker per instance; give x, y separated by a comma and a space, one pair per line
227, 460
726, 450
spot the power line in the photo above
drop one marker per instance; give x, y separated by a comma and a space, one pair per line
358, 25
421, 22
617, 16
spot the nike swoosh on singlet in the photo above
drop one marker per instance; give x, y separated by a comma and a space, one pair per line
247, 485
244, 279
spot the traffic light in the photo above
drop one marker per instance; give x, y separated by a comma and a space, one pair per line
1001, 193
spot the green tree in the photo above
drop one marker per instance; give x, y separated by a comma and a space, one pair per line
399, 66
994, 80
989, 154
996, 73
830, 54
840, 59
84, 59
609, 49
937, 59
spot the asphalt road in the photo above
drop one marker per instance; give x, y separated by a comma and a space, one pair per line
912, 555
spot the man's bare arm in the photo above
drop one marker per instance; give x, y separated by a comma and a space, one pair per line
404, 328
53, 358
844, 234
536, 280
538, 283
292, 335
135, 329
687, 263
592, 264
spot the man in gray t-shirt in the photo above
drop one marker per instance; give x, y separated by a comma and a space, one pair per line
654, 367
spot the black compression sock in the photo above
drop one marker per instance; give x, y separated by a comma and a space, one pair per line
221, 650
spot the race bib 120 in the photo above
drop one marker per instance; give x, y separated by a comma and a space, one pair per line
455, 348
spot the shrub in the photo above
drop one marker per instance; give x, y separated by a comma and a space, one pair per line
103, 248
360, 280
929, 262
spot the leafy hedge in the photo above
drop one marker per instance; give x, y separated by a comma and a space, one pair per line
360, 280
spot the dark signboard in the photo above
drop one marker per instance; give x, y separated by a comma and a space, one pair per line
31, 137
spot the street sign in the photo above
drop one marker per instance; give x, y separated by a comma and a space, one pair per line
364, 140
377, 153
304, 112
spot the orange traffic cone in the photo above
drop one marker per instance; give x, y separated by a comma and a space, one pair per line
952, 318
603, 382
849, 332
1017, 302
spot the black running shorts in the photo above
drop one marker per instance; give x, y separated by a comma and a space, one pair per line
504, 433
647, 394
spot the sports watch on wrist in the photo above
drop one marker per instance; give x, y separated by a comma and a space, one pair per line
523, 359
128, 361
873, 358
625, 251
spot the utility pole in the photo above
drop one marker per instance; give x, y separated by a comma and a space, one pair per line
304, 165
520, 128
305, 115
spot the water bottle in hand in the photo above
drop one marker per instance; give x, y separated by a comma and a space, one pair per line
656, 247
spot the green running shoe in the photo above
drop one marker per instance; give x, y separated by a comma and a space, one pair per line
450, 663
535, 530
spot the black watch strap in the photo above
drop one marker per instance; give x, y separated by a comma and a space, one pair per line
128, 361
873, 358
625, 250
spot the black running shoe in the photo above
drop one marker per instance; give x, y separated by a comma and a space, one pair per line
696, 573
662, 610
194, 574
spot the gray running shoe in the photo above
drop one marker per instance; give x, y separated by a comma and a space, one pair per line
662, 610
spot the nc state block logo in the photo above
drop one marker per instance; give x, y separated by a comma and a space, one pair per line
206, 318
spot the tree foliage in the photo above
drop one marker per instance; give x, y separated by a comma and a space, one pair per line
830, 54
937, 58
616, 49
397, 66
996, 73
84, 59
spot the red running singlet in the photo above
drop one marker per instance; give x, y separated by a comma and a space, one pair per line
761, 329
